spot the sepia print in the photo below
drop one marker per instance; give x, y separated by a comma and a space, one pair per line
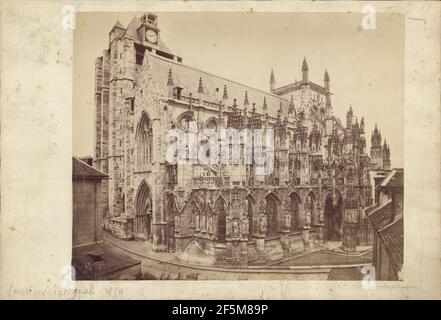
188, 175
220, 150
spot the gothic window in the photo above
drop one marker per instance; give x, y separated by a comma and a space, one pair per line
144, 140
294, 210
272, 215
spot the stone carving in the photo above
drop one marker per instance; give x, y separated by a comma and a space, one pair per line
262, 222
235, 227
321, 215
211, 227
288, 220
352, 215
245, 226
307, 218
203, 222
228, 231
177, 220
197, 222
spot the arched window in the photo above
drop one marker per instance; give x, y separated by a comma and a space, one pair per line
272, 215
144, 140
143, 212
294, 203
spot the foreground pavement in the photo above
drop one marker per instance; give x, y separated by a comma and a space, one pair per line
317, 265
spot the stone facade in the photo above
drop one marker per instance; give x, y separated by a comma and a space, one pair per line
224, 214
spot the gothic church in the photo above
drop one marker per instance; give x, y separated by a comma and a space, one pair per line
225, 214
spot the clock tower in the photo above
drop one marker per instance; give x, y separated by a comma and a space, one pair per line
149, 31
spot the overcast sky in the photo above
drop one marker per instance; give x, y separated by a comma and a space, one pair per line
366, 67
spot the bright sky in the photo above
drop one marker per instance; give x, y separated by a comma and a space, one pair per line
366, 67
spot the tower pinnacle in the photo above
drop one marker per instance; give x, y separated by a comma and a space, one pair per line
272, 81
326, 81
305, 70
246, 102
225, 95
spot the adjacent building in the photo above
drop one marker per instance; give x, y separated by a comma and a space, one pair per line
386, 218
91, 258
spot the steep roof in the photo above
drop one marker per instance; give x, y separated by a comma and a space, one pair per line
81, 169
392, 237
395, 179
380, 216
188, 77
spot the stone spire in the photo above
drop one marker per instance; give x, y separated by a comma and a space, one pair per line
170, 83
376, 138
279, 113
386, 155
170, 78
225, 95
265, 107
305, 70
272, 81
349, 116
201, 86
326, 81
254, 108
291, 105
245, 101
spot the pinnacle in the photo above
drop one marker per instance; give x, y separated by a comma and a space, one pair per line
304, 65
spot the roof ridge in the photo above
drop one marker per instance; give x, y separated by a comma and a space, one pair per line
213, 75
380, 207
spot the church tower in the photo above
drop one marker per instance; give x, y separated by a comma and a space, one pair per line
386, 155
376, 149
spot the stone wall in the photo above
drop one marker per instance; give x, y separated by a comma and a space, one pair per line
87, 211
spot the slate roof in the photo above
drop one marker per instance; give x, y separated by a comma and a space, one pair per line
188, 78
392, 239
81, 169
394, 180
380, 216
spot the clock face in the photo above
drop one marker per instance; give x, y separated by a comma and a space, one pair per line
151, 36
